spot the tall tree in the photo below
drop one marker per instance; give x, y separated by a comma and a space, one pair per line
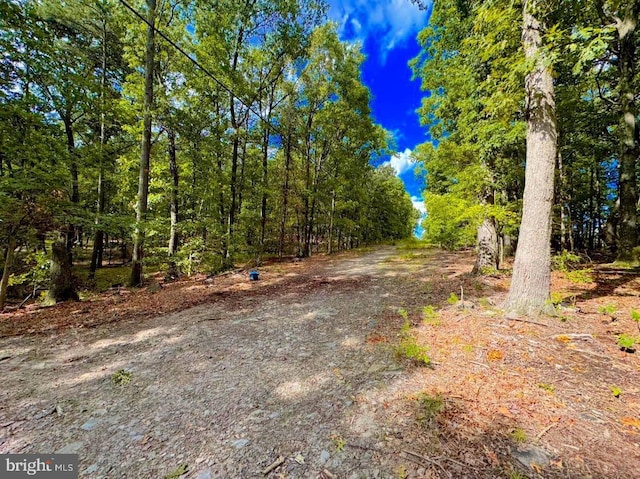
145, 153
531, 280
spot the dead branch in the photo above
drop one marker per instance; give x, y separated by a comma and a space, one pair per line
277, 463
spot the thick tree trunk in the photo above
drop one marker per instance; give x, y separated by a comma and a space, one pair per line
143, 177
61, 286
628, 228
530, 284
488, 251
8, 263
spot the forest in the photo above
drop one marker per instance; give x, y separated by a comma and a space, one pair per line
185, 136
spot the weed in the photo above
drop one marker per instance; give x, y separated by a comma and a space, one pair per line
626, 342
410, 349
121, 377
428, 408
516, 475
401, 473
518, 435
580, 276
556, 298
547, 387
616, 391
478, 286
339, 442
467, 348
453, 299
180, 471
564, 261
403, 314
635, 316
430, 316
609, 309
489, 271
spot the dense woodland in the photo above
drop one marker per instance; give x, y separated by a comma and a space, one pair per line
194, 134
540, 89
187, 135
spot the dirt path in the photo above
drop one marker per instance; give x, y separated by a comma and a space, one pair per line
301, 366
226, 388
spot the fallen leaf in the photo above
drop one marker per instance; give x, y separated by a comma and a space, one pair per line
299, 459
631, 422
495, 355
505, 412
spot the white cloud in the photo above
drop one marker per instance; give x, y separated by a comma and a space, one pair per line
401, 162
391, 21
419, 205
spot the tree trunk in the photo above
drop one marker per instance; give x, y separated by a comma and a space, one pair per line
265, 187
285, 193
143, 177
488, 251
61, 286
331, 216
530, 284
98, 240
173, 200
8, 262
628, 232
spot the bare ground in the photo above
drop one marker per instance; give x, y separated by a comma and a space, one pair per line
298, 371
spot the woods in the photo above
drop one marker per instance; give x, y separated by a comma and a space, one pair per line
531, 108
184, 135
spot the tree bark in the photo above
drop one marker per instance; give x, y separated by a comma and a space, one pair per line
61, 286
628, 227
8, 263
530, 284
173, 200
143, 177
285, 193
98, 239
488, 251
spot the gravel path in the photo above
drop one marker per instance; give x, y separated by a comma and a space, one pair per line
226, 388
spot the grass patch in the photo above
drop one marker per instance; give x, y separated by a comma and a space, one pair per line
121, 377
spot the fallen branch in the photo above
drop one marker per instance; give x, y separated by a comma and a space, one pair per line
544, 431
582, 336
511, 318
277, 463
418, 459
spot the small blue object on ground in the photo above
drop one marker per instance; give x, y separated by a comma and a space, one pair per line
254, 276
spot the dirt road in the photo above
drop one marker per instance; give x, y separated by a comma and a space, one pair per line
226, 388
297, 371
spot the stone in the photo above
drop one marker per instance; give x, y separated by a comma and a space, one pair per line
91, 469
531, 455
204, 475
90, 424
324, 457
240, 443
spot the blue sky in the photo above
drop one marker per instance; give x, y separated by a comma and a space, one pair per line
387, 31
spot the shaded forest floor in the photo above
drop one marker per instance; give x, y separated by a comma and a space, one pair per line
298, 375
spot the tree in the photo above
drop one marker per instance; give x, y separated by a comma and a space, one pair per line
145, 153
531, 280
